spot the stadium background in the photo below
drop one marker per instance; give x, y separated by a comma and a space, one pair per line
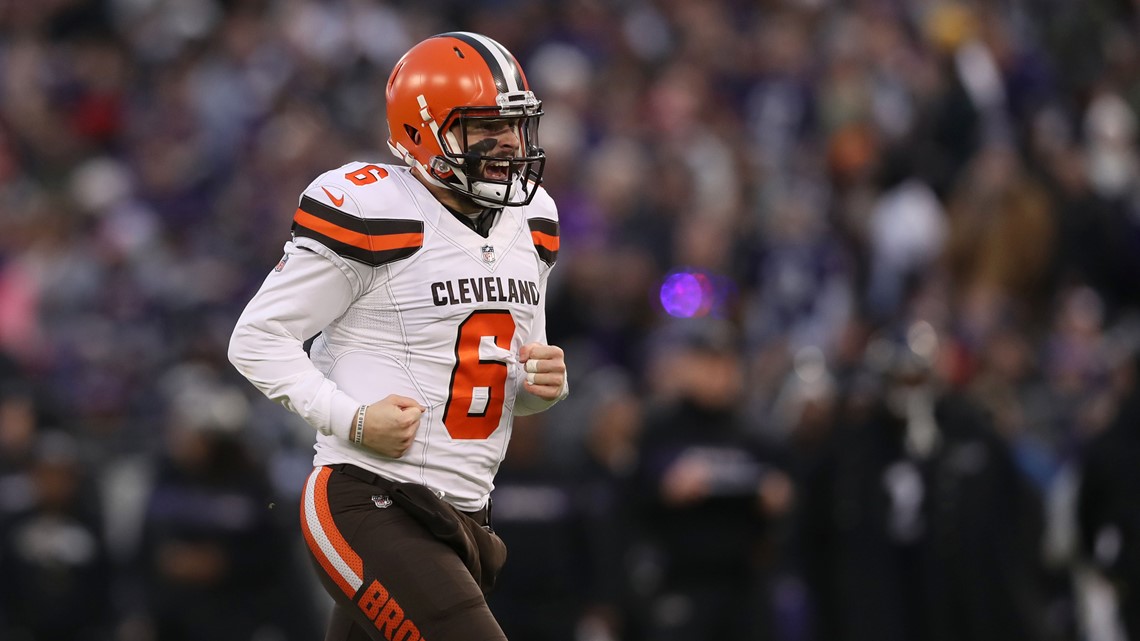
792, 209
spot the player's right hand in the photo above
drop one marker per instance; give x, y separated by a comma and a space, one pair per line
390, 425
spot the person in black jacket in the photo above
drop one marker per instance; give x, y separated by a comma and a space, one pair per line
57, 575
917, 525
707, 491
213, 559
1108, 503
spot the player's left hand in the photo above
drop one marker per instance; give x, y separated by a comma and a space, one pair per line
545, 367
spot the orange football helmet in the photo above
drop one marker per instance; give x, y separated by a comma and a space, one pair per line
437, 89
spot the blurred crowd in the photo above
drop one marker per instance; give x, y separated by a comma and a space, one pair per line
849, 290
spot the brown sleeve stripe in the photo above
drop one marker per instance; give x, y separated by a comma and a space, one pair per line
367, 227
544, 234
544, 225
370, 241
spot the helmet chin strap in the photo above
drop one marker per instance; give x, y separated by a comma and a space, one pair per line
495, 194
426, 173
487, 194
481, 193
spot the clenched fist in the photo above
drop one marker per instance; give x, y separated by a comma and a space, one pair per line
390, 425
545, 370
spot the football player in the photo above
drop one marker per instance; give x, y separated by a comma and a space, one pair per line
424, 286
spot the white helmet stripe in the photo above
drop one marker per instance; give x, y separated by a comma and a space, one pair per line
502, 64
506, 62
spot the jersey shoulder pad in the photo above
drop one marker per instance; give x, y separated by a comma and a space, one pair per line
542, 218
349, 210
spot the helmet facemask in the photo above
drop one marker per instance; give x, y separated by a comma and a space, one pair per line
475, 170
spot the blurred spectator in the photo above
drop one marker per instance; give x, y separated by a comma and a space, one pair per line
1109, 502
805, 289
53, 556
1008, 385
592, 462
907, 231
214, 558
918, 525
610, 447
18, 433
707, 493
1001, 239
554, 585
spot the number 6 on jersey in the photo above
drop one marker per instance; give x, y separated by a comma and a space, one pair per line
478, 387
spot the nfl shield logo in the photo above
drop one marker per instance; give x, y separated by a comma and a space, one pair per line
488, 254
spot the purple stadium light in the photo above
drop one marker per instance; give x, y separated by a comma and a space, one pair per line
687, 294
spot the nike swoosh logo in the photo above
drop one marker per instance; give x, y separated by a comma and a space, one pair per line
336, 201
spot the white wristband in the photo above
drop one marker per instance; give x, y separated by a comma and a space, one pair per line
358, 436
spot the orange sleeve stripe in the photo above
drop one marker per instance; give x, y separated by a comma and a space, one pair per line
545, 241
367, 242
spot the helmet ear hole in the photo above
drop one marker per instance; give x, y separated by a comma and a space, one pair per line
413, 133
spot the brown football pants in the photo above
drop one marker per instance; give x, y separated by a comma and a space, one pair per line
391, 580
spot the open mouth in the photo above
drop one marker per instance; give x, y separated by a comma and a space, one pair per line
497, 170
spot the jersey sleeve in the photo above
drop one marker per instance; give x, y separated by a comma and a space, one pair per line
348, 218
299, 298
543, 224
542, 219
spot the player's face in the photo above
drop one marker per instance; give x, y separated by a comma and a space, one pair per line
497, 138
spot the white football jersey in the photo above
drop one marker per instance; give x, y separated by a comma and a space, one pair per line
407, 300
